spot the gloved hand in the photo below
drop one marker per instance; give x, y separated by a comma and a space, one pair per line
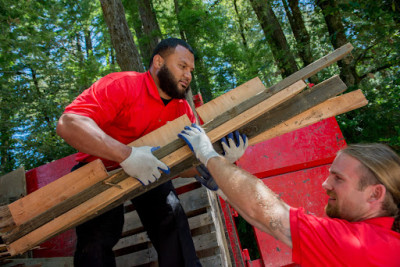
199, 143
235, 147
206, 178
143, 165
208, 181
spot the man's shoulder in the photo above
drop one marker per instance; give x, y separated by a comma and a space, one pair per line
125, 75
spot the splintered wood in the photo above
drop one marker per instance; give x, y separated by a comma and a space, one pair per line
250, 108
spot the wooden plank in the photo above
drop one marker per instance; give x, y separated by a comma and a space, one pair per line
219, 227
331, 107
313, 68
213, 261
194, 222
163, 135
205, 241
137, 258
132, 222
148, 255
131, 241
256, 111
230, 99
6, 219
54, 193
75, 216
296, 105
40, 262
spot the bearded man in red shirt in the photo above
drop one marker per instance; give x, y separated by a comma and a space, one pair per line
116, 110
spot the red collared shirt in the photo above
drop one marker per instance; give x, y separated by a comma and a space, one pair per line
334, 242
126, 106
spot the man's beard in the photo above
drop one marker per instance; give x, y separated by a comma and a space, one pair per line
332, 210
169, 85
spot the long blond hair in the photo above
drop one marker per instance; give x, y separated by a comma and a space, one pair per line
382, 166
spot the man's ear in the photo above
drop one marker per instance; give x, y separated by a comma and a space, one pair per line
158, 61
378, 193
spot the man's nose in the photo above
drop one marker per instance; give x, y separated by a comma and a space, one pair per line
188, 75
326, 185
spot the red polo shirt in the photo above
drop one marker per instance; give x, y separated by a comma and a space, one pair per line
126, 106
333, 242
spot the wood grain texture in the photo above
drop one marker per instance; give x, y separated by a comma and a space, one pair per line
230, 99
73, 217
256, 111
329, 108
163, 135
56, 192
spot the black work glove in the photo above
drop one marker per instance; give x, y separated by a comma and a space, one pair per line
206, 179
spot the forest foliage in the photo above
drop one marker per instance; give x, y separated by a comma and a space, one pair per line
52, 50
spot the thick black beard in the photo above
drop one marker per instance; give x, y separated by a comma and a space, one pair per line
169, 85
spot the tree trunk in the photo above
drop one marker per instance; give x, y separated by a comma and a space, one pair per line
333, 19
241, 29
150, 27
300, 33
127, 54
88, 42
144, 49
275, 37
177, 12
79, 53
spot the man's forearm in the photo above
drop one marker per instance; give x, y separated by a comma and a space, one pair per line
85, 135
252, 199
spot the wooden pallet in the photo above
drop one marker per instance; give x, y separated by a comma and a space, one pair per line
135, 248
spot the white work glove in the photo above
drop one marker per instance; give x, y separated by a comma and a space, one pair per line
235, 147
143, 165
199, 143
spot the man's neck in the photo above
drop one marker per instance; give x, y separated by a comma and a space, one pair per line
162, 94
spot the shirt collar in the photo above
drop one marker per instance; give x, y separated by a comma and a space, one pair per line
152, 87
385, 222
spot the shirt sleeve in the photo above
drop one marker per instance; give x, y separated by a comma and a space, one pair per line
101, 102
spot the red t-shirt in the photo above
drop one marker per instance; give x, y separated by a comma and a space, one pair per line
333, 242
126, 106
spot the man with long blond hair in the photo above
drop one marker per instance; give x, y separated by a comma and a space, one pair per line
362, 227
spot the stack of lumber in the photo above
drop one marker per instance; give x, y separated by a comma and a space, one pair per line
258, 112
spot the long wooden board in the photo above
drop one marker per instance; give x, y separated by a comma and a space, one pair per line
230, 99
56, 192
163, 135
332, 107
